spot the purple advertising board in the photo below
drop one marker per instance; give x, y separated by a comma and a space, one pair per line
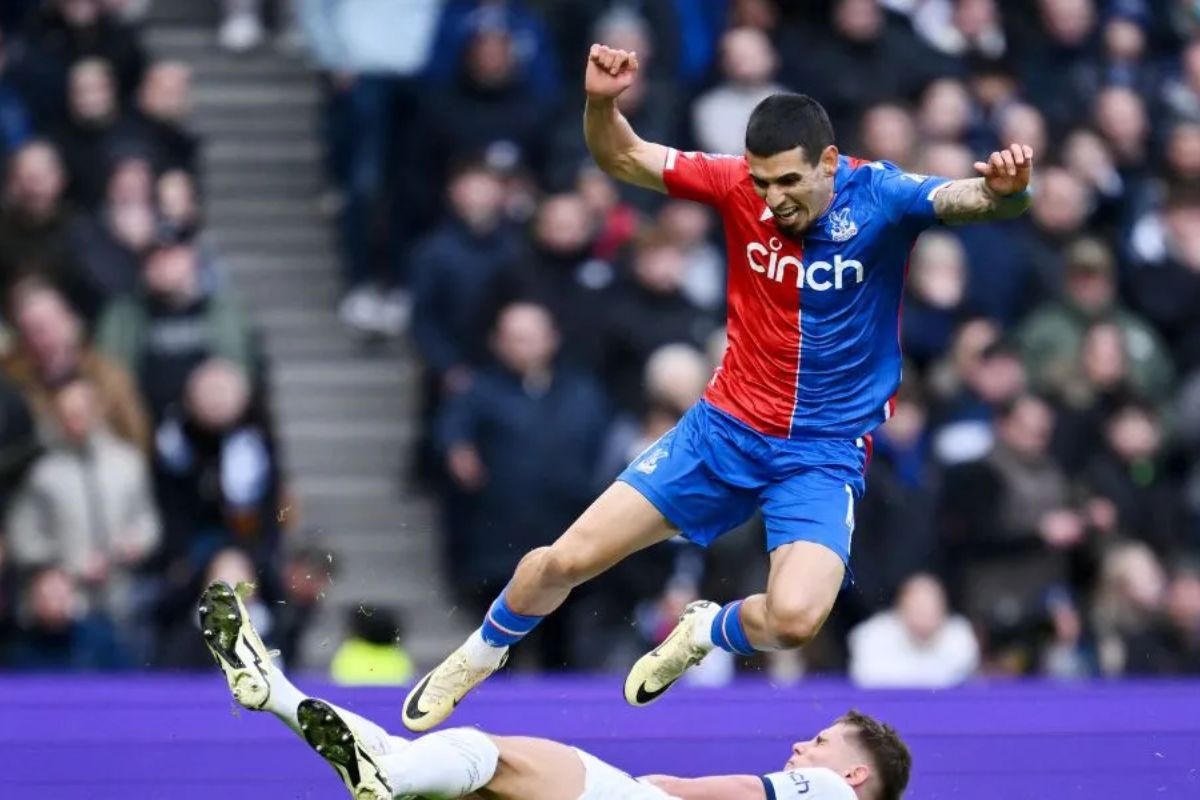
180, 738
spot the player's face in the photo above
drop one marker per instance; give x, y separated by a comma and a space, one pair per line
796, 190
830, 749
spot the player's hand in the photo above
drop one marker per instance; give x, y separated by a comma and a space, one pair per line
609, 71
1007, 171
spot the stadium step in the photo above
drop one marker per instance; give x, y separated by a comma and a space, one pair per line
346, 410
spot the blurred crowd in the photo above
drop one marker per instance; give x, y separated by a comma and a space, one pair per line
137, 454
1033, 506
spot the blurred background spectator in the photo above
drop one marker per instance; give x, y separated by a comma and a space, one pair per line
918, 644
1039, 475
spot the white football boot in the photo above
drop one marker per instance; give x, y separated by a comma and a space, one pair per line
235, 645
658, 670
437, 695
336, 741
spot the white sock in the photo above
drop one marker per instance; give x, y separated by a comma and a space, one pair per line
480, 654
284, 699
702, 627
443, 765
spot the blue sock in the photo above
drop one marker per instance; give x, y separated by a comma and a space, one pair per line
503, 627
728, 633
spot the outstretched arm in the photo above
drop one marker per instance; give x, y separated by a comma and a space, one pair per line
1002, 192
618, 150
721, 787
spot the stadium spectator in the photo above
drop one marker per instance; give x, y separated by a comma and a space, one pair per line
1129, 470
373, 653
895, 534
176, 321
66, 32
1059, 64
1087, 156
947, 112
935, 298
511, 120
33, 226
462, 22
59, 633
218, 476
176, 196
917, 644
689, 226
647, 313
981, 373
858, 58
92, 133
558, 270
1051, 337
1129, 613
1166, 287
87, 507
748, 67
527, 427
1009, 522
617, 221
305, 578
888, 132
674, 378
372, 54
51, 351
454, 271
111, 242
1097, 383
158, 123
962, 28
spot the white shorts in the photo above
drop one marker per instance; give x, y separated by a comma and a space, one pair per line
606, 782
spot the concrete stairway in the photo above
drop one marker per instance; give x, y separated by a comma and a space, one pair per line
345, 412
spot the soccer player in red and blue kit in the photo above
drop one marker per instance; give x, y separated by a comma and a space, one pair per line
817, 244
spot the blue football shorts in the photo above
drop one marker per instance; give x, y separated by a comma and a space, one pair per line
709, 473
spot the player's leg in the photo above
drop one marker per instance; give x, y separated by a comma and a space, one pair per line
454, 763
668, 488
620, 522
254, 679
810, 524
809, 519
803, 585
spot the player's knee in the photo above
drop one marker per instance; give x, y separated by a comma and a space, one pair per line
793, 623
566, 566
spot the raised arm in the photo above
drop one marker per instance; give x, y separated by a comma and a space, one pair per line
1002, 192
721, 787
618, 150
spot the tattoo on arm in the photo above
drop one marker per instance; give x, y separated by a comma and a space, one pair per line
970, 200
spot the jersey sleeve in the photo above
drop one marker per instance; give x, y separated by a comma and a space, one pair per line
809, 783
906, 198
703, 177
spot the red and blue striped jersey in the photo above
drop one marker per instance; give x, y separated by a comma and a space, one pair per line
813, 327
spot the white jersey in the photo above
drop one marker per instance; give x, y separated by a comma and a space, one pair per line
603, 781
807, 783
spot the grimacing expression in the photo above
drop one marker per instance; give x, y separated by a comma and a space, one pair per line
832, 749
796, 191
